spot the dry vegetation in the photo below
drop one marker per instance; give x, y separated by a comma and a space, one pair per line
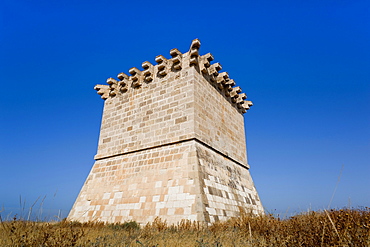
345, 227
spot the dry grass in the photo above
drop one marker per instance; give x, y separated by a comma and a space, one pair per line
345, 227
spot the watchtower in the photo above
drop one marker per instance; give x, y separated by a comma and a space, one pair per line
172, 145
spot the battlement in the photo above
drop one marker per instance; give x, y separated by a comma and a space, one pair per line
178, 61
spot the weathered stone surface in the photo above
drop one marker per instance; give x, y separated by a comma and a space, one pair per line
172, 144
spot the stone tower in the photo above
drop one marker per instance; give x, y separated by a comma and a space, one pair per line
172, 145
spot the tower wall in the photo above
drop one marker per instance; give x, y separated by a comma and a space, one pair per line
157, 113
171, 145
217, 122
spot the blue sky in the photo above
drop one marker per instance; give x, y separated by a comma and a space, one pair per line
304, 64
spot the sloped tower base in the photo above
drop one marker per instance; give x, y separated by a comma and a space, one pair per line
172, 145
184, 180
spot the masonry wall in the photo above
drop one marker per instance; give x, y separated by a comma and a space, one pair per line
140, 186
226, 187
157, 113
181, 181
217, 122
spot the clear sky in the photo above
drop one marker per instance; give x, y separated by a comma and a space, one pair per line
304, 64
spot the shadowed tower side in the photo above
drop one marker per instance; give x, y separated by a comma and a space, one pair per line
172, 145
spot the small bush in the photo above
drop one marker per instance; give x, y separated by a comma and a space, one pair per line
130, 225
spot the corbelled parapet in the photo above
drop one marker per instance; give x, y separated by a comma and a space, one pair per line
177, 62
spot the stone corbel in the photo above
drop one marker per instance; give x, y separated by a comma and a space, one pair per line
229, 84
240, 99
123, 83
135, 76
148, 71
162, 65
194, 52
103, 91
122, 76
205, 62
246, 104
113, 84
234, 94
176, 58
213, 71
221, 80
